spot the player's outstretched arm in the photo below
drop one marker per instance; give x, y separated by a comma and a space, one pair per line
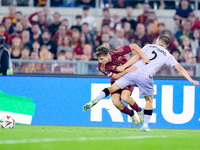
128, 63
118, 75
139, 51
185, 74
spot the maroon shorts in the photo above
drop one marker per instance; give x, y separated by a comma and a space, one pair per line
129, 88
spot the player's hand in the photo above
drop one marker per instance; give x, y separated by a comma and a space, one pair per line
195, 82
120, 68
131, 69
146, 60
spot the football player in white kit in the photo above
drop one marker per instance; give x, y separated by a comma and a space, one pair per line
143, 75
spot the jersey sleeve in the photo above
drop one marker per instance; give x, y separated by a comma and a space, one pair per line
108, 74
171, 61
121, 51
105, 72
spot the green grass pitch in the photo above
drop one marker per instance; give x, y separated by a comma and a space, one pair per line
29, 137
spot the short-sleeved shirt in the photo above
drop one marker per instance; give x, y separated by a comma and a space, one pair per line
142, 77
158, 56
118, 58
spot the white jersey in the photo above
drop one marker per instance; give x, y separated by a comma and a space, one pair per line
158, 56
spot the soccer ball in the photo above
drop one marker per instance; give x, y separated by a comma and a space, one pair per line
7, 122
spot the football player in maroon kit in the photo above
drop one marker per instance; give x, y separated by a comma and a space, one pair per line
109, 60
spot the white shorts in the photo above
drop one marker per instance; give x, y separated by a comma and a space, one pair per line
145, 84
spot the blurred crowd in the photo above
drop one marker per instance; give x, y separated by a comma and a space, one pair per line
41, 36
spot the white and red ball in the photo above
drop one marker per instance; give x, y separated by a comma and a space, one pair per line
7, 122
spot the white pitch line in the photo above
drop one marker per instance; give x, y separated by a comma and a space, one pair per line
22, 141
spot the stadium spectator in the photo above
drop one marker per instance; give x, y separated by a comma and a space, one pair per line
89, 34
141, 38
36, 33
115, 22
78, 48
15, 49
106, 16
118, 40
17, 33
35, 55
128, 31
104, 29
129, 18
176, 53
67, 44
188, 58
60, 35
11, 15
153, 18
25, 53
61, 55
25, 24
36, 46
184, 46
18, 16
33, 67
47, 15
9, 26
46, 40
41, 20
65, 23
183, 10
105, 38
69, 55
56, 23
194, 20
173, 42
195, 42
45, 54
77, 24
176, 24
26, 39
88, 18
143, 18
87, 52
185, 32
4, 33
75, 36
64, 68
161, 28
149, 31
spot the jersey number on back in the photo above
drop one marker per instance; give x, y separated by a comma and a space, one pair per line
155, 55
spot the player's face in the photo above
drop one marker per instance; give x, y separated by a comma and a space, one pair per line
103, 59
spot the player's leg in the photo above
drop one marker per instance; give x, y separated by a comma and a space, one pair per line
147, 112
116, 99
125, 96
104, 93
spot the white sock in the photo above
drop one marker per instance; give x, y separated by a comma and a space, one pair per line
146, 120
101, 95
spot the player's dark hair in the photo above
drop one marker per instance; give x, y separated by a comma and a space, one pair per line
165, 39
101, 51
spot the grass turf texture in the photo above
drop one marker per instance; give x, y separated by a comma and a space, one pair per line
25, 137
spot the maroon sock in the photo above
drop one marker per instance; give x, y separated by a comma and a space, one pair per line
127, 111
135, 107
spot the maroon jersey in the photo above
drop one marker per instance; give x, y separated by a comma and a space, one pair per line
118, 59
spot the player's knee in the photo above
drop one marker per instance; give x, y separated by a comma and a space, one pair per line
125, 97
116, 102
